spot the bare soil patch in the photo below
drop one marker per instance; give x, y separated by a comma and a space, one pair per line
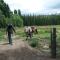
20, 50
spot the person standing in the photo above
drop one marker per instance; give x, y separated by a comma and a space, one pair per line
10, 30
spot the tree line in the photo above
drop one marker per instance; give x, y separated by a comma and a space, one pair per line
18, 20
41, 19
9, 17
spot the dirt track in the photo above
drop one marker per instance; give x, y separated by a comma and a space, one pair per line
20, 51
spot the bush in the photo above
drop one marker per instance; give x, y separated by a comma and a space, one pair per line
2, 20
33, 42
16, 20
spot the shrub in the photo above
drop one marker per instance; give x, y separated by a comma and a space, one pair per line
16, 20
33, 42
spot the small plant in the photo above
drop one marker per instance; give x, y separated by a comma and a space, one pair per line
34, 42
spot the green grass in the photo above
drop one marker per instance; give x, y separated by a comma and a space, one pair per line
33, 42
38, 40
2, 33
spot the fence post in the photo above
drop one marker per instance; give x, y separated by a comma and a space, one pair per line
53, 43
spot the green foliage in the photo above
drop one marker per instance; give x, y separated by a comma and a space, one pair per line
17, 20
19, 12
2, 20
4, 8
33, 42
6, 16
2, 33
15, 11
41, 20
4, 13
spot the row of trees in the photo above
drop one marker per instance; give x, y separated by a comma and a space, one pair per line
41, 19
4, 8
6, 16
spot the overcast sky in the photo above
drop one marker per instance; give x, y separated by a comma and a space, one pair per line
35, 6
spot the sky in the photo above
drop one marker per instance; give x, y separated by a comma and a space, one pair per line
35, 6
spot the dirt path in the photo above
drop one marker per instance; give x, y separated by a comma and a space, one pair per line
20, 50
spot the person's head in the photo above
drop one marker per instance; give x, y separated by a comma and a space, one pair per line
9, 24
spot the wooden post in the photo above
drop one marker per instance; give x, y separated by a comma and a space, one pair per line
53, 43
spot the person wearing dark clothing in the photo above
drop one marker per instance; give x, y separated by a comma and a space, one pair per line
10, 30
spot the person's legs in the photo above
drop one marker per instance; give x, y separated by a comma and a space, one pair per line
9, 37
